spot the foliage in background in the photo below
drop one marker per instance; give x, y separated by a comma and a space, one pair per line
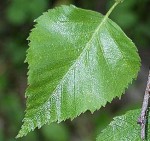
19, 11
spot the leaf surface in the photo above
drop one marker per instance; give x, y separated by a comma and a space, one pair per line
78, 60
123, 128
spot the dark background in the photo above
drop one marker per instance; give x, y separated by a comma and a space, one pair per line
16, 21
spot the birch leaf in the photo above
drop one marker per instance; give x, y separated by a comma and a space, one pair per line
123, 128
78, 60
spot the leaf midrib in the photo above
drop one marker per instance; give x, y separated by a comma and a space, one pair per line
78, 58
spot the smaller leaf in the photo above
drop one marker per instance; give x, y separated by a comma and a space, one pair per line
123, 128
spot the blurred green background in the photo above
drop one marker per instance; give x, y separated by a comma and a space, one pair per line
16, 21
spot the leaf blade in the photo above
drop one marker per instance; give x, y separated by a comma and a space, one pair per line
68, 75
123, 128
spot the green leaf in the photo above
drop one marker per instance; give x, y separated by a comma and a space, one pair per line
78, 60
123, 128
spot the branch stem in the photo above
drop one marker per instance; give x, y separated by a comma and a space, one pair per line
142, 120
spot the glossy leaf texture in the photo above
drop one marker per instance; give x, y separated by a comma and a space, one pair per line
123, 128
78, 60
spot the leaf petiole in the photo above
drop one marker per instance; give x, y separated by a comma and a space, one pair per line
112, 8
